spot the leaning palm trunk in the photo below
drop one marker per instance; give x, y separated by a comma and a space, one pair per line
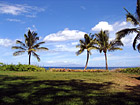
106, 61
87, 60
29, 58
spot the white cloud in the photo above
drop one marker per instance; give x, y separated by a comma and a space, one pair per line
64, 47
64, 35
13, 20
6, 42
102, 25
74, 43
113, 28
117, 26
18, 9
31, 16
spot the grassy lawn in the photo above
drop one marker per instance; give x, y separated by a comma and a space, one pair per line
69, 88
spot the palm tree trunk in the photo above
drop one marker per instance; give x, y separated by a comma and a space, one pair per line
87, 60
106, 61
29, 58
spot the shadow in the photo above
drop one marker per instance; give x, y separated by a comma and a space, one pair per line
134, 90
138, 78
29, 91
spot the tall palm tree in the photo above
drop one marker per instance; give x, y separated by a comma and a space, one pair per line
135, 20
88, 44
104, 45
30, 45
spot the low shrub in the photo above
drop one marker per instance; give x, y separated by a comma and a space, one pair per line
135, 70
76, 70
20, 67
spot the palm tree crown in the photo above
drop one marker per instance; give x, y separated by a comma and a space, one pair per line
88, 44
30, 45
135, 20
104, 45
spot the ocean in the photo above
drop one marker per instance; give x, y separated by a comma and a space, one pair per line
110, 68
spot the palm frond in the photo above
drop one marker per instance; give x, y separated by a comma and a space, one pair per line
82, 42
91, 35
138, 47
37, 45
116, 43
31, 49
81, 46
29, 33
122, 33
87, 39
37, 38
78, 46
93, 47
79, 52
34, 33
135, 41
41, 43
131, 18
114, 48
138, 9
97, 36
25, 36
35, 55
18, 47
18, 53
21, 43
42, 48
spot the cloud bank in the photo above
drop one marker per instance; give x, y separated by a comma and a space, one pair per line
65, 35
102, 25
113, 28
6, 42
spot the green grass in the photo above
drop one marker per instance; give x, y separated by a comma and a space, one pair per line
69, 88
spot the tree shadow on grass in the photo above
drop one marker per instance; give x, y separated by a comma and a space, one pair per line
28, 91
138, 78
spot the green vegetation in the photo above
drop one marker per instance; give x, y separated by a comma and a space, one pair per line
76, 70
20, 67
135, 20
103, 44
131, 70
31, 45
88, 44
99, 42
19, 85
68, 88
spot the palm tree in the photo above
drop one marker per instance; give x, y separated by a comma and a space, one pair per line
88, 44
104, 45
135, 20
30, 45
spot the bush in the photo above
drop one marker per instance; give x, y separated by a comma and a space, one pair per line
77, 70
131, 70
20, 67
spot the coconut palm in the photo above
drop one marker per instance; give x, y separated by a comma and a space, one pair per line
30, 45
135, 20
86, 44
105, 45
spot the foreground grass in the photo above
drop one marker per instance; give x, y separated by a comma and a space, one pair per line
69, 88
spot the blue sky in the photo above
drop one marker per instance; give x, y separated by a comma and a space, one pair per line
61, 23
